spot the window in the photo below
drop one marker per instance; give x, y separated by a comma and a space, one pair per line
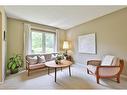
43, 42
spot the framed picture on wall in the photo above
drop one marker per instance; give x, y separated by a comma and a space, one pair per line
87, 43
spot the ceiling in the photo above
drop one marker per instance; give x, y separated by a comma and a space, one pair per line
63, 17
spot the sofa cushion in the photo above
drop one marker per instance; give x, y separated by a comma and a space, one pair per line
107, 60
36, 66
32, 60
41, 59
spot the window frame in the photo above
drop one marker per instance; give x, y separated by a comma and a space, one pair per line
44, 38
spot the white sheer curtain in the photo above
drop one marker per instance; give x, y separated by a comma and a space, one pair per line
57, 46
27, 40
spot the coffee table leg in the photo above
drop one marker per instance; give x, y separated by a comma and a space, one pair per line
69, 70
55, 73
61, 68
48, 70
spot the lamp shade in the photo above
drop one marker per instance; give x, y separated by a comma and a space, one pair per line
66, 45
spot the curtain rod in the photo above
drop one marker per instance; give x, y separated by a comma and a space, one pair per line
43, 29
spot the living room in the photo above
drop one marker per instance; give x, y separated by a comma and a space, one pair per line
44, 30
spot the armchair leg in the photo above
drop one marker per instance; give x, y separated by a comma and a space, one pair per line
88, 71
118, 79
97, 78
28, 72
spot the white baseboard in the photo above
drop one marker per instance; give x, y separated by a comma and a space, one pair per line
79, 64
123, 75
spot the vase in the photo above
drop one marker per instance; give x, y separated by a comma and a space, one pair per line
16, 70
57, 61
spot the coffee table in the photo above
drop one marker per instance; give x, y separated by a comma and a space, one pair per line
64, 63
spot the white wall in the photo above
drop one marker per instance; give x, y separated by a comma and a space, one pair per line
3, 27
15, 35
111, 33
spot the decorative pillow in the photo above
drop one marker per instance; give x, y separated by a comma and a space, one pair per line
41, 59
32, 60
116, 62
107, 61
48, 57
54, 56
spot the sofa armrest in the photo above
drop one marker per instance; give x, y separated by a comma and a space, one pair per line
27, 64
94, 62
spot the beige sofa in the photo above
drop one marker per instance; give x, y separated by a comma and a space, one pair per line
109, 67
37, 61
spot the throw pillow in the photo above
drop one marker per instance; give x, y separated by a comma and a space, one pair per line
107, 60
32, 60
41, 59
54, 56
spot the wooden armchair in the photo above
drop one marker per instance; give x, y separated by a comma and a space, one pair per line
109, 67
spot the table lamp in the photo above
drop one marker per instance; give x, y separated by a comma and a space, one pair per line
66, 46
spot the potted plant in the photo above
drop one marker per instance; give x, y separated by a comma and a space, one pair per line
59, 58
15, 63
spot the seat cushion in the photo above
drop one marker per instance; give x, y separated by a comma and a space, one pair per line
36, 66
107, 60
32, 60
92, 68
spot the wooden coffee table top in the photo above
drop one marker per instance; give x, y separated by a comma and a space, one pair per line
52, 64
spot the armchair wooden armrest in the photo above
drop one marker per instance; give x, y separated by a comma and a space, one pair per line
107, 66
94, 62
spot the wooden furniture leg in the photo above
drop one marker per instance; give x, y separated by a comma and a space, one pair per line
48, 70
118, 79
55, 73
88, 71
61, 68
97, 78
69, 70
28, 72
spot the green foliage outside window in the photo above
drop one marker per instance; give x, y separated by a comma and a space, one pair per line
43, 42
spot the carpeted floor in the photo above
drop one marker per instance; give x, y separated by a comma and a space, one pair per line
79, 80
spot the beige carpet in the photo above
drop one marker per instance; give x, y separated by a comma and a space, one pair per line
79, 80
